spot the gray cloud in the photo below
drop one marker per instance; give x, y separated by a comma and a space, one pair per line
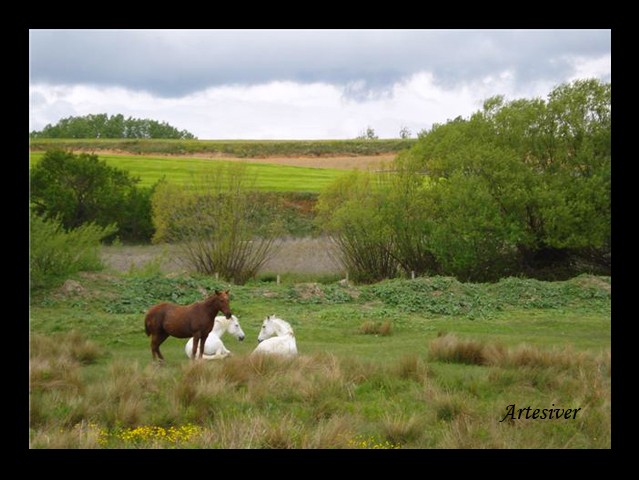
174, 63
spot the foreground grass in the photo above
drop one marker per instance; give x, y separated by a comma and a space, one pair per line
433, 380
184, 171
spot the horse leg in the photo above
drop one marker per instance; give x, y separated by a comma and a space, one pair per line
156, 341
196, 341
202, 342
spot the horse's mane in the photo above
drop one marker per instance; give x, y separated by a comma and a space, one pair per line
284, 323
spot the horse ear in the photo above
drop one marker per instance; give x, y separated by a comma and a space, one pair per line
226, 291
217, 292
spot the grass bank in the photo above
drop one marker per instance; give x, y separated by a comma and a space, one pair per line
447, 361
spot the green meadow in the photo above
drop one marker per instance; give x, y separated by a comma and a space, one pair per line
424, 363
183, 171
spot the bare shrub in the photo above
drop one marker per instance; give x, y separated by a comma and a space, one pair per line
216, 224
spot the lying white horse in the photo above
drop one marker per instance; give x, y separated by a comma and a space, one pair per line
283, 343
214, 348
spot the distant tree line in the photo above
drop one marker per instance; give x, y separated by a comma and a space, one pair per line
116, 126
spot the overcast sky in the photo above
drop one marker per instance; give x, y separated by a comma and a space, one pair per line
300, 84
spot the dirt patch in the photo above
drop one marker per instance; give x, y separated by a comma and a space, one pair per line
307, 291
293, 255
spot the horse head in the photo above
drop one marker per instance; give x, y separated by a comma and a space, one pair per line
235, 329
220, 301
271, 326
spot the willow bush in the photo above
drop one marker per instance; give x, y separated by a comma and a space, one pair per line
520, 187
56, 253
217, 224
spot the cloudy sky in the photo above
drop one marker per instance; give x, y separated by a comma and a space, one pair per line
300, 84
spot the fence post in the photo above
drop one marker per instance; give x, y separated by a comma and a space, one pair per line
412, 274
278, 279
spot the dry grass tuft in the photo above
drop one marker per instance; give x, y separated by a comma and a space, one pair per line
449, 348
72, 346
376, 328
55, 361
402, 429
411, 367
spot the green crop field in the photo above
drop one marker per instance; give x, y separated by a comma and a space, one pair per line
236, 148
183, 171
425, 363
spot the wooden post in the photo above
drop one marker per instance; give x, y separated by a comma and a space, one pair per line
412, 274
278, 279
217, 276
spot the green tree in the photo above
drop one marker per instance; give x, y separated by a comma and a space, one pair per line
81, 189
519, 187
540, 169
116, 126
405, 132
368, 134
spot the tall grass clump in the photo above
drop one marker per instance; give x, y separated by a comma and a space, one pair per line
449, 348
56, 253
376, 328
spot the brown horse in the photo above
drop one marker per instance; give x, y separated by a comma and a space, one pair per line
195, 320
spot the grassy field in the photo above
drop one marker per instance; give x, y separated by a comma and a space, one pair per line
427, 363
236, 148
183, 171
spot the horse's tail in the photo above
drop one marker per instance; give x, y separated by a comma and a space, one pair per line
147, 324
150, 321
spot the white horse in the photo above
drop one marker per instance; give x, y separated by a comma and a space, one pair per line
276, 337
214, 348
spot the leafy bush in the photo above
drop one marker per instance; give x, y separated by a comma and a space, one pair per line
447, 296
80, 189
56, 253
352, 212
522, 187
